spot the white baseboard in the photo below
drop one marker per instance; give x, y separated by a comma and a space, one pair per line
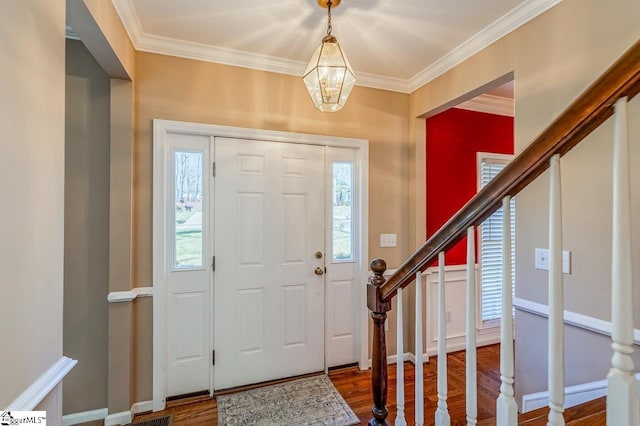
125, 417
408, 356
121, 418
573, 395
455, 344
86, 416
141, 407
38, 390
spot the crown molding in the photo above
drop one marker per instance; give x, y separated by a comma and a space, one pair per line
489, 104
489, 35
377, 81
202, 52
130, 20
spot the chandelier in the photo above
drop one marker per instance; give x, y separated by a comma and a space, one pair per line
329, 77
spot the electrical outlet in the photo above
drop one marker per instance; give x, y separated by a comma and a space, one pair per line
542, 260
388, 240
448, 315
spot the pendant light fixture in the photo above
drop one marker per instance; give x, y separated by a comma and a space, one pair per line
329, 77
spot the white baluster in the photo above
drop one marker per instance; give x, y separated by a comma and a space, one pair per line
506, 407
556, 299
442, 413
400, 420
472, 375
622, 388
419, 379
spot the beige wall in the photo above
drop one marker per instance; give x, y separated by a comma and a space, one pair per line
86, 248
107, 26
32, 175
186, 90
101, 31
121, 341
554, 58
143, 349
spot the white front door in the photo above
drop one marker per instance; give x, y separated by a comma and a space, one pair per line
187, 268
269, 247
276, 205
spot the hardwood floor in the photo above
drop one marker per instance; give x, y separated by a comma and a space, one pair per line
355, 387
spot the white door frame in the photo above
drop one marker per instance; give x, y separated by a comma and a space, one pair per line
160, 130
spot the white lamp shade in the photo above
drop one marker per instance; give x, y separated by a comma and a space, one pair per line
329, 77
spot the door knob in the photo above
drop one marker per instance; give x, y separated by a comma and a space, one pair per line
319, 271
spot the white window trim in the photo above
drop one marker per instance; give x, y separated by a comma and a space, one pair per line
490, 325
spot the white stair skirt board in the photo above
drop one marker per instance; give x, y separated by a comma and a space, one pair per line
121, 418
34, 394
85, 416
574, 395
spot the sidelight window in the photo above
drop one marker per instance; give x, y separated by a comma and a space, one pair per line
342, 207
188, 199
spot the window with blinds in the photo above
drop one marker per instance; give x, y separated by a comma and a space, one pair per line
491, 244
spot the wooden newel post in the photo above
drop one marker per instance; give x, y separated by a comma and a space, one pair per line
379, 309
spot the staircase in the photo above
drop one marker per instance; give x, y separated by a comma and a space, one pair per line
606, 97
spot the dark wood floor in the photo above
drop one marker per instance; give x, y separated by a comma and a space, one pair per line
354, 385
355, 388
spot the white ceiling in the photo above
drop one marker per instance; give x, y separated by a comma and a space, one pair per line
392, 44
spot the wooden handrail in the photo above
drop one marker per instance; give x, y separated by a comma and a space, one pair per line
583, 116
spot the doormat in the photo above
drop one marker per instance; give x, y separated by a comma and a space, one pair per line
308, 401
158, 421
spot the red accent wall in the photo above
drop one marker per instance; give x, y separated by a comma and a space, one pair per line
453, 139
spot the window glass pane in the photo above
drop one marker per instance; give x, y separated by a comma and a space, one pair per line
188, 209
342, 211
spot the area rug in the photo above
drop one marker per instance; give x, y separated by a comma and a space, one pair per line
309, 401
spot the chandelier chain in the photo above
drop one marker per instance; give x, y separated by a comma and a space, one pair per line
329, 27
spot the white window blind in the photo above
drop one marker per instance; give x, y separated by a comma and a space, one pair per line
491, 246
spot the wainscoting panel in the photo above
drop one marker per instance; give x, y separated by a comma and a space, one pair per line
455, 283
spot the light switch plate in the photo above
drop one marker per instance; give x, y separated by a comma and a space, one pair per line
566, 262
387, 240
542, 260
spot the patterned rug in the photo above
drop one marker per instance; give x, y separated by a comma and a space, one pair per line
309, 401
